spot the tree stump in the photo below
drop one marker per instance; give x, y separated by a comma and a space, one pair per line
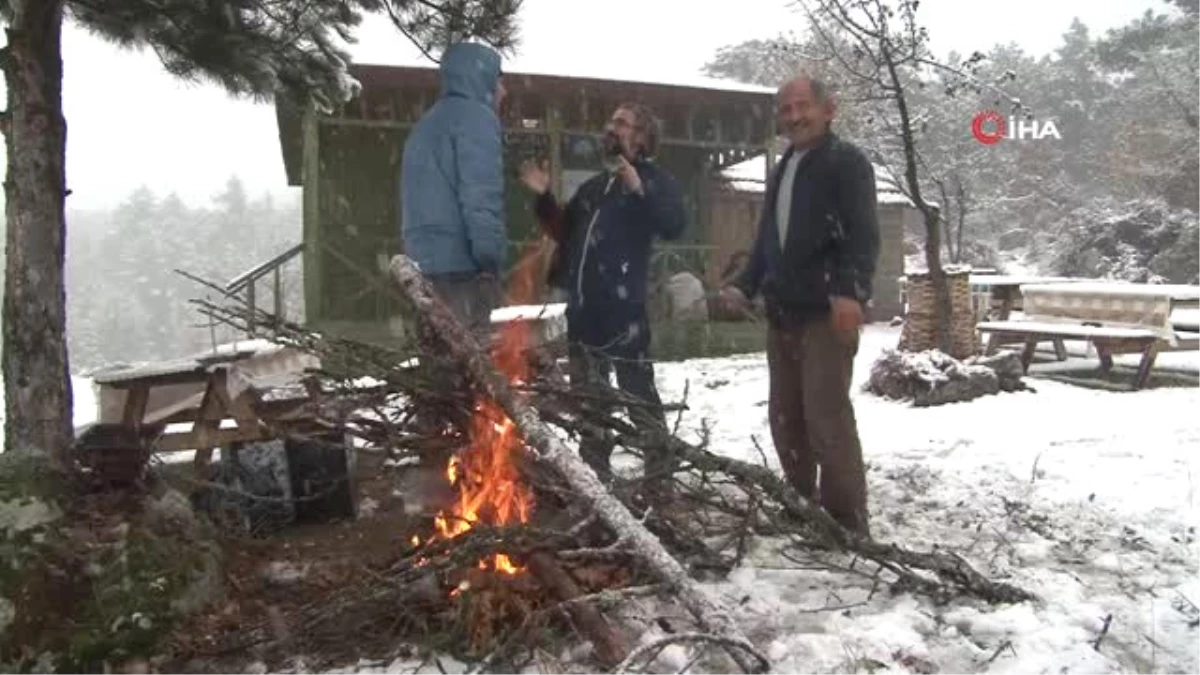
920, 332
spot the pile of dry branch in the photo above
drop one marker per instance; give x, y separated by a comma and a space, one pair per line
492, 592
933, 377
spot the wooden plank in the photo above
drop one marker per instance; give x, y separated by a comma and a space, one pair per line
211, 439
204, 430
555, 126
135, 407
1147, 363
1184, 342
1049, 331
195, 376
684, 142
284, 410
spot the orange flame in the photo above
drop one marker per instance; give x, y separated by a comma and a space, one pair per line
489, 485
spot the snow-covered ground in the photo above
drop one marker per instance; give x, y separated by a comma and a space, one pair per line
1085, 497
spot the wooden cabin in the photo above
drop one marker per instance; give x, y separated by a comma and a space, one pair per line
347, 163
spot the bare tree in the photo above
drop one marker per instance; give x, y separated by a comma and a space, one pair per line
883, 53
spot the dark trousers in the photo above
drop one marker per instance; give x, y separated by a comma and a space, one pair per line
471, 300
812, 417
604, 340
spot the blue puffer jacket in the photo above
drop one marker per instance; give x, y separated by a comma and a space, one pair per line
452, 175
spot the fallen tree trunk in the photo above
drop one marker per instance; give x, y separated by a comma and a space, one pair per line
821, 530
609, 645
547, 449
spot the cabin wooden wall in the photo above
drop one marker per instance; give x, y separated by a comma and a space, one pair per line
885, 301
734, 226
358, 226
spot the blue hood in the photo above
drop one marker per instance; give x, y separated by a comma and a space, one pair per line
470, 70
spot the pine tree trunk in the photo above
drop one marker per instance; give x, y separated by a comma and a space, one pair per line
37, 386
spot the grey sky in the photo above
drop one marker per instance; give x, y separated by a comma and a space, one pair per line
130, 124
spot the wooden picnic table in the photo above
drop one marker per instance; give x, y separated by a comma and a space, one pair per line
1002, 293
1115, 317
1004, 290
206, 391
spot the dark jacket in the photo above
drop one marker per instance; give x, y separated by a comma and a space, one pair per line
605, 234
452, 174
832, 240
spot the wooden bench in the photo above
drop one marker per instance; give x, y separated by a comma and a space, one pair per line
1116, 318
207, 392
1107, 341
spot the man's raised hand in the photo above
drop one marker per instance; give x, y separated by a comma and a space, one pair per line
732, 299
535, 176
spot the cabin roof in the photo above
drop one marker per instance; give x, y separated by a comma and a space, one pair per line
751, 176
378, 80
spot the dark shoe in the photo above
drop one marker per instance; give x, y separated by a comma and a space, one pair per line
856, 522
602, 469
658, 490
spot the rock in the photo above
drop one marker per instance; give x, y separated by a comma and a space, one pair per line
1007, 366
99, 592
171, 509
282, 573
22, 515
687, 299
252, 486
367, 508
932, 378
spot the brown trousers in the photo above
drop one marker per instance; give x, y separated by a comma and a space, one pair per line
812, 417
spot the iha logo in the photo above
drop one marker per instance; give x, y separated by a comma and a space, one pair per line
990, 127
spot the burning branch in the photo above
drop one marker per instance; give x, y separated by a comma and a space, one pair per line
547, 449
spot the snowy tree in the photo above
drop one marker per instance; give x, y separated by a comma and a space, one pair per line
884, 57
257, 48
1155, 115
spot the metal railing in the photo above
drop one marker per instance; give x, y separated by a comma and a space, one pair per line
246, 283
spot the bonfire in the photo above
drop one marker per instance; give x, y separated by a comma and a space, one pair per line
492, 571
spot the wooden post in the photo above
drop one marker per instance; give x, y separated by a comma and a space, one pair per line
314, 309
278, 281
252, 304
609, 645
772, 156
554, 126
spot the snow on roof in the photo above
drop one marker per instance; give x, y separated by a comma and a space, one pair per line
231, 351
674, 80
750, 176
528, 312
597, 71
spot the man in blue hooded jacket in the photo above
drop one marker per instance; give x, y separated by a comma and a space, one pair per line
452, 187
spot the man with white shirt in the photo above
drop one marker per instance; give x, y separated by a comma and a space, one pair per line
813, 260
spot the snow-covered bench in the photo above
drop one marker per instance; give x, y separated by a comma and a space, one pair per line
242, 392
1116, 318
